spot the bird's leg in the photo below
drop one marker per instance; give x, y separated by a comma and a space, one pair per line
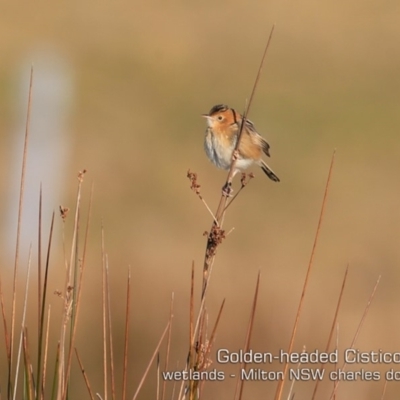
227, 189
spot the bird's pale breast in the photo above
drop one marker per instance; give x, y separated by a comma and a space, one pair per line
218, 149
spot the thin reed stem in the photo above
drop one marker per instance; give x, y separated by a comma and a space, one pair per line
20, 206
281, 383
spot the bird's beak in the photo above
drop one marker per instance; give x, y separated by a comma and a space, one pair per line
206, 116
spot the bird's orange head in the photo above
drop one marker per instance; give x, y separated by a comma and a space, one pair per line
221, 117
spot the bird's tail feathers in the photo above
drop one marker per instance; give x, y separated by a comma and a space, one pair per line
268, 171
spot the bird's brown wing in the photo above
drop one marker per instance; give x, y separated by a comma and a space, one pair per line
252, 144
256, 138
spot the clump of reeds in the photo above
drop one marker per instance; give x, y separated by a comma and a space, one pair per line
29, 377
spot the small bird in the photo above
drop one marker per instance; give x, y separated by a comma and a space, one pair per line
221, 137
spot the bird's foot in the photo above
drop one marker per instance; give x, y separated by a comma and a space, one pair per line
227, 190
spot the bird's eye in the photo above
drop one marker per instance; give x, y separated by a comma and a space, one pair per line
220, 118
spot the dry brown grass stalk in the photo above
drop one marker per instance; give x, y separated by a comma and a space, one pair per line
110, 335
104, 308
151, 361
353, 343
84, 375
23, 323
166, 365
216, 235
333, 326
78, 291
240, 382
69, 297
16, 261
46, 348
279, 390
126, 340
41, 306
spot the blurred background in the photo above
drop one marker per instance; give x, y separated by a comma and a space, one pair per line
119, 88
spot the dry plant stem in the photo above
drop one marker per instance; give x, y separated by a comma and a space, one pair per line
214, 331
105, 368
158, 377
43, 304
240, 382
22, 323
84, 375
174, 385
126, 341
28, 366
210, 344
209, 210
201, 363
191, 319
46, 347
68, 298
78, 290
72, 274
337, 348
21, 200
171, 309
196, 188
110, 337
384, 390
211, 249
197, 333
56, 367
357, 331
244, 181
201, 388
151, 360
279, 390
3, 313
216, 234
40, 325
39, 265
193, 333
291, 393
333, 326
76, 224
73, 283
64, 246
191, 356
